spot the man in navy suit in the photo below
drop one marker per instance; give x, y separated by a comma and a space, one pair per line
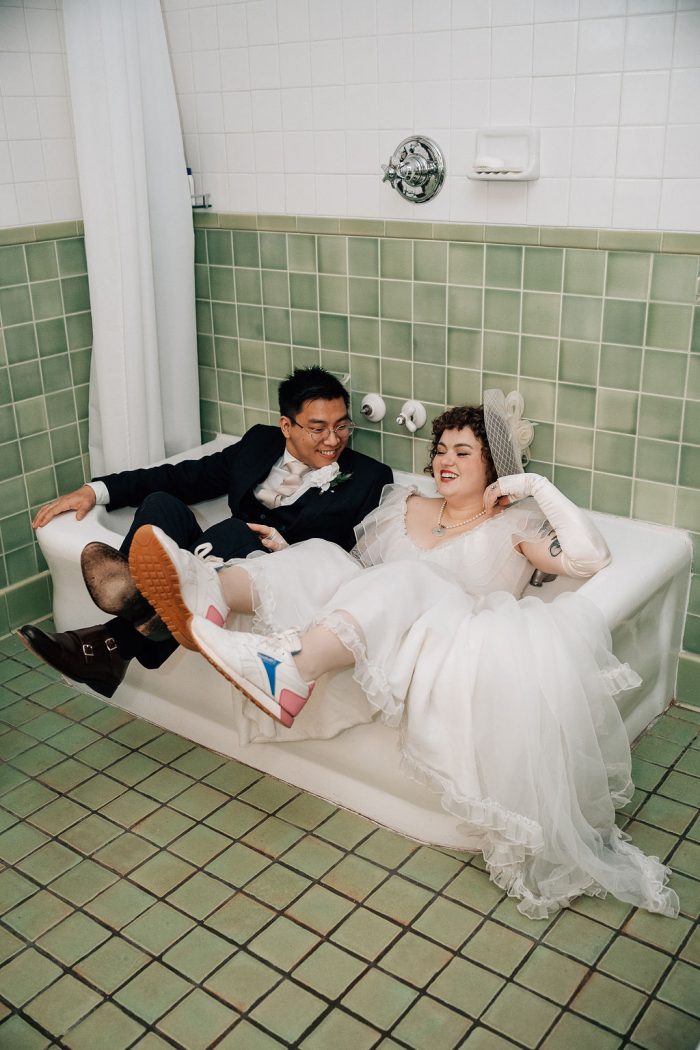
284, 484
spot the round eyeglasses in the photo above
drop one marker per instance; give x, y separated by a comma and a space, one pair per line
342, 431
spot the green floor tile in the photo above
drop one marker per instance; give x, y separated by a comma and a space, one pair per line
112, 964
365, 933
691, 949
379, 998
520, 1014
399, 899
447, 922
14, 1032
47, 863
345, 829
163, 826
576, 935
119, 904
198, 801
329, 970
62, 1005
497, 947
200, 895
106, 1026
238, 865
73, 938
152, 992
429, 1023
269, 794
466, 987
635, 963
338, 1029
680, 988
284, 943
14, 888
125, 852
473, 887
133, 768
574, 1033
58, 816
26, 975
386, 848
430, 868
651, 840
9, 945
129, 809
682, 788
91, 834
273, 836
288, 1011
312, 856
246, 1036
240, 918
165, 784
97, 791
200, 845
162, 873
551, 975
320, 909
235, 818
36, 915
18, 841
610, 1003
242, 981
414, 959
198, 1021
355, 877
306, 811
37, 759
663, 1028
198, 954
83, 882
158, 928
687, 859
657, 930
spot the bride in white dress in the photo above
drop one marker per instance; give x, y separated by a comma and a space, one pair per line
505, 705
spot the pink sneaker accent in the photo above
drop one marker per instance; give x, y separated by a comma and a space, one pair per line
292, 702
215, 616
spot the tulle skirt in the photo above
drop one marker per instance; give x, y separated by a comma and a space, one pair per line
505, 707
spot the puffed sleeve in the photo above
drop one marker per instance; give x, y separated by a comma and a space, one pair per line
381, 535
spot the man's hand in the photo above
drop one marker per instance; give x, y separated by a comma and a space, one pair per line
82, 501
269, 537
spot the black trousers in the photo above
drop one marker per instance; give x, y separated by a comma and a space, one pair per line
229, 539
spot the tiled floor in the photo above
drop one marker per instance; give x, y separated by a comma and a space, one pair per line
155, 894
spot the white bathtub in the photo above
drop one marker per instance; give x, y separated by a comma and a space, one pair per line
643, 595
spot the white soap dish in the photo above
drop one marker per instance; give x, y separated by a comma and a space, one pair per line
507, 154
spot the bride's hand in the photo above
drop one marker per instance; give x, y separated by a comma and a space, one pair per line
493, 497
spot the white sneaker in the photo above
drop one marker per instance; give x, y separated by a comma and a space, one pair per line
261, 667
178, 584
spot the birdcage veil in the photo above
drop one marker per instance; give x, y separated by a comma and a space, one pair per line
509, 435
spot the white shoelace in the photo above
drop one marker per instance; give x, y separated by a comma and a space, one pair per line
204, 550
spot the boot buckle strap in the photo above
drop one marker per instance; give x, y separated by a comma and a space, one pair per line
88, 651
110, 645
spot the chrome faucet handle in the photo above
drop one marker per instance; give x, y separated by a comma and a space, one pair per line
416, 169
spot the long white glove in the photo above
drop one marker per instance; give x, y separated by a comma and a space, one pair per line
584, 551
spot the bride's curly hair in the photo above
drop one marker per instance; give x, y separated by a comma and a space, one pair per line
471, 416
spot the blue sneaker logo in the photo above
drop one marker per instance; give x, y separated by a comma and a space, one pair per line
270, 665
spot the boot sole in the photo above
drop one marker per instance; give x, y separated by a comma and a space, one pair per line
157, 580
245, 687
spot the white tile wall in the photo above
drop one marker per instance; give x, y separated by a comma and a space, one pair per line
38, 177
292, 105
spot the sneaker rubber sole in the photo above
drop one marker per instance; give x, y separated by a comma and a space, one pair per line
158, 581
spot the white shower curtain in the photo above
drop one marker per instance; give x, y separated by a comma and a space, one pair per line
144, 396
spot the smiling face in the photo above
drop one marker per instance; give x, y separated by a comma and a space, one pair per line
459, 467
316, 450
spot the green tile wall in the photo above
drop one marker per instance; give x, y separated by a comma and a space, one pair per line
599, 330
45, 346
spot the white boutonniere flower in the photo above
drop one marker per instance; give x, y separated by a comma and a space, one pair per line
325, 476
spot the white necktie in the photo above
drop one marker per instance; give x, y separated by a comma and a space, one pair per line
294, 472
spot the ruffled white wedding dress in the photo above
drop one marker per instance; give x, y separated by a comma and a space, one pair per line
504, 704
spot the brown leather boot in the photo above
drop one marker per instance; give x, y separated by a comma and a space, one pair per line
111, 586
88, 656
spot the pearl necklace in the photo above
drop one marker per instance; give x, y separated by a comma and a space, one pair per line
440, 529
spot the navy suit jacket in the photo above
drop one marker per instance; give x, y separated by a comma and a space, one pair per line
237, 470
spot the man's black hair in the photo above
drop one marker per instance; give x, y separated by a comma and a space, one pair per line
309, 384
